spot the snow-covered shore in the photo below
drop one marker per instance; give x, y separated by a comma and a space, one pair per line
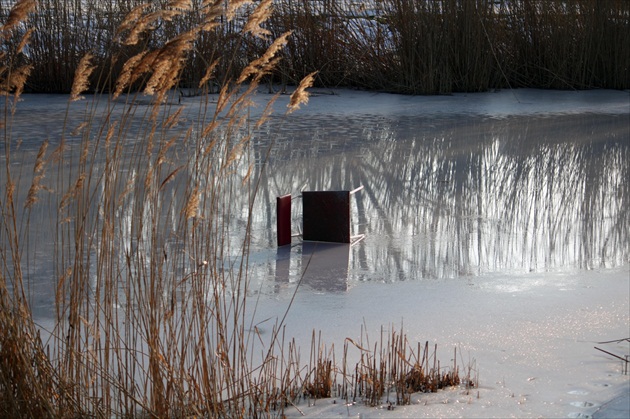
530, 338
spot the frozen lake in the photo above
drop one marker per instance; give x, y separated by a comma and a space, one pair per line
458, 186
496, 222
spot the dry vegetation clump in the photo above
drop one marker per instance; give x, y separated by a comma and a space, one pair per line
150, 275
406, 46
393, 368
437, 47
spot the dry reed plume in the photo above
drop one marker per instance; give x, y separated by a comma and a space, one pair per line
19, 13
82, 77
300, 95
38, 176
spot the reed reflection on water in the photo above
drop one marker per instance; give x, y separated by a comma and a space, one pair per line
460, 195
444, 196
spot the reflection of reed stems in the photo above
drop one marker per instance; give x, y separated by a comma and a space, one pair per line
482, 202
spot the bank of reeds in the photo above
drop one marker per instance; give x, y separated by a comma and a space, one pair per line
150, 274
408, 46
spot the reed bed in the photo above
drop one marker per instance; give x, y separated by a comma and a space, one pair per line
149, 271
406, 46
390, 371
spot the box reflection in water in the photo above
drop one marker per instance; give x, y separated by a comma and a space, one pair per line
324, 265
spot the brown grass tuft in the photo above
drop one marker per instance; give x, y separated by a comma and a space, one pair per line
129, 73
260, 66
192, 205
300, 96
111, 131
212, 11
38, 176
80, 128
209, 73
260, 15
9, 191
25, 40
18, 14
73, 191
168, 63
82, 77
15, 82
132, 22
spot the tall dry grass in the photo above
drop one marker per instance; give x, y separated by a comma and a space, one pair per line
150, 274
426, 47
570, 44
408, 46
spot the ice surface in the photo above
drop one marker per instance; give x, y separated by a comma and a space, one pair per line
500, 103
